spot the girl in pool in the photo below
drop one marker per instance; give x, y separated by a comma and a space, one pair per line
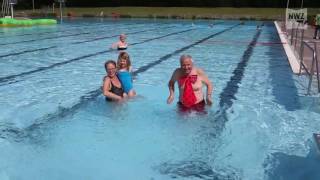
124, 73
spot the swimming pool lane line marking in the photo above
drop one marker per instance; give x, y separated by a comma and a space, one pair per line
46, 38
106, 37
90, 40
51, 47
157, 38
163, 58
95, 93
74, 28
80, 42
99, 30
275, 43
228, 93
63, 112
12, 77
33, 40
27, 51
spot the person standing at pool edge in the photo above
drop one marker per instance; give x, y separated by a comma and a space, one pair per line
317, 26
190, 80
121, 44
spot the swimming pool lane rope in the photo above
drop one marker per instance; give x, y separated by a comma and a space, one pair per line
12, 78
79, 42
72, 29
228, 94
63, 112
90, 96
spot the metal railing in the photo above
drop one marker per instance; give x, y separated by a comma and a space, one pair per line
5, 10
296, 39
297, 35
314, 64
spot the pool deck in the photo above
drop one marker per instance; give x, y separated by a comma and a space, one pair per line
293, 50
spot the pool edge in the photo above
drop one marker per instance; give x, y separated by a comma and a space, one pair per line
293, 61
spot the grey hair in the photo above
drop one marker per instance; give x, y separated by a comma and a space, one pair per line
185, 56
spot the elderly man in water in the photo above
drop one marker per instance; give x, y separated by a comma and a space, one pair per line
190, 82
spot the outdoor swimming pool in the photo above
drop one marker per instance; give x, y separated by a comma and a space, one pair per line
55, 123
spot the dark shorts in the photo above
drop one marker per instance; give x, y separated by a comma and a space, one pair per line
108, 99
121, 48
199, 107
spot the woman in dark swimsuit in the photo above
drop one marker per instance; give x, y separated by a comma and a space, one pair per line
121, 44
112, 88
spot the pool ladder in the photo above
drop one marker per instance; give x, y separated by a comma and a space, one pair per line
314, 70
5, 10
297, 38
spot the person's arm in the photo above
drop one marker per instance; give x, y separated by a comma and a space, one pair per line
209, 85
130, 69
107, 93
114, 45
171, 83
131, 73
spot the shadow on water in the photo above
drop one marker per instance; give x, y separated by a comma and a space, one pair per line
283, 86
285, 166
227, 95
200, 169
281, 166
195, 170
35, 133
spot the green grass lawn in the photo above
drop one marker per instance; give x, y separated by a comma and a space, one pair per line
181, 12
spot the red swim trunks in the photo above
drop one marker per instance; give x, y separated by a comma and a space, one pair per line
199, 107
188, 96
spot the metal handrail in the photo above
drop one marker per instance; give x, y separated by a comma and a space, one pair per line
314, 61
5, 9
292, 30
296, 36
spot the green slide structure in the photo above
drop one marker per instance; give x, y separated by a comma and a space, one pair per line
9, 22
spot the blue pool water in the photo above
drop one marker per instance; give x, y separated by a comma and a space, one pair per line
55, 123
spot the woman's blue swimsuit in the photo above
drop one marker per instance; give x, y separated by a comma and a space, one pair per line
126, 80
